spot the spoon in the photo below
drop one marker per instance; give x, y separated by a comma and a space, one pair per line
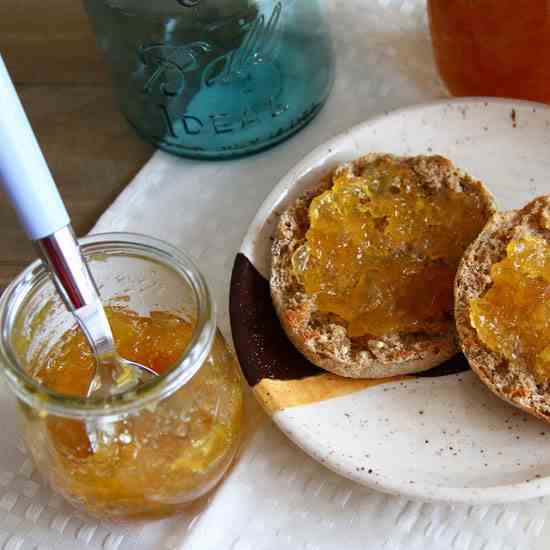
25, 177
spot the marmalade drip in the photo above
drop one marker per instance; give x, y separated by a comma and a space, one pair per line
149, 463
513, 317
383, 248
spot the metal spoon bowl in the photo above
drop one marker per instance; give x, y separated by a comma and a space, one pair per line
121, 376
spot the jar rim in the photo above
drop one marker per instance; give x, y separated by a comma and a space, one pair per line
36, 395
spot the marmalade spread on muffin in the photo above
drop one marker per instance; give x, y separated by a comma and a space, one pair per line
383, 248
513, 317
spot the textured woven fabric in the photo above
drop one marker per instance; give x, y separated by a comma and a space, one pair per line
275, 498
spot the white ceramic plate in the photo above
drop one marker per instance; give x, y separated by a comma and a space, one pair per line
442, 437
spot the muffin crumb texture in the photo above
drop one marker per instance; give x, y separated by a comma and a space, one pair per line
363, 266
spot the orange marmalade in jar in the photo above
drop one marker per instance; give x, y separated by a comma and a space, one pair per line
146, 453
493, 47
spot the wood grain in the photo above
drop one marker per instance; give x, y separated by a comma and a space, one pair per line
49, 43
63, 83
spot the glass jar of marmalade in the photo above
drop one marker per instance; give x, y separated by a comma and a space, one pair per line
493, 47
149, 452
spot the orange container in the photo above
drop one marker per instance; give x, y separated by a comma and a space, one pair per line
493, 47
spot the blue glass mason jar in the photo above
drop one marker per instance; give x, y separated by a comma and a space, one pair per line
216, 78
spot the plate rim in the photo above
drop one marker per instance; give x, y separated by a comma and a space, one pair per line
317, 152
498, 494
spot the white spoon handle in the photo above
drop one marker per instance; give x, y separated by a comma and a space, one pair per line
25, 177
27, 180
24, 174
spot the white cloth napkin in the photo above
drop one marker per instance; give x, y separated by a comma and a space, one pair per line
276, 497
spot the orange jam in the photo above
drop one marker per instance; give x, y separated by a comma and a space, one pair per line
493, 47
157, 341
383, 248
513, 317
158, 459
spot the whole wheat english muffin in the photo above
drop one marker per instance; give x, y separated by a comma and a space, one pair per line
502, 306
363, 265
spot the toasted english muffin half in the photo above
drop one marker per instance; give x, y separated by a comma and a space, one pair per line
514, 383
322, 338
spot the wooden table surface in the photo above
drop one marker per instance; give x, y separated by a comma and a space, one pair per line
64, 86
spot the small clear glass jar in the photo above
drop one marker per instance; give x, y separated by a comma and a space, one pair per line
150, 452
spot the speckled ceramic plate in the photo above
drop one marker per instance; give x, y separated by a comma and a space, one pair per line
438, 436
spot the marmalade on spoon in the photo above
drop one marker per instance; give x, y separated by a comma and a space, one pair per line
513, 317
383, 247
